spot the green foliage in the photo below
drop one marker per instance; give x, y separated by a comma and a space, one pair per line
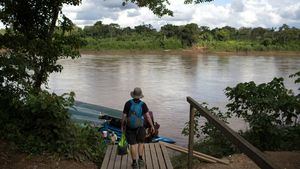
83, 143
247, 46
140, 43
278, 139
297, 76
270, 109
219, 39
271, 102
32, 43
188, 34
30, 35
211, 140
41, 123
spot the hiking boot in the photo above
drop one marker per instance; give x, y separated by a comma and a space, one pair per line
135, 165
141, 162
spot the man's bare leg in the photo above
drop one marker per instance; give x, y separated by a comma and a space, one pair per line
133, 150
141, 149
141, 152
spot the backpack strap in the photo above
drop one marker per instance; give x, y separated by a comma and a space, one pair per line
132, 102
139, 105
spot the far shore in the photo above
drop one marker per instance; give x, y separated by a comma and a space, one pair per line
189, 52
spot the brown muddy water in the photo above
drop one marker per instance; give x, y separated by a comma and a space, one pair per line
166, 81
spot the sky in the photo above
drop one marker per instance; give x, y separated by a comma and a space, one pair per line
219, 13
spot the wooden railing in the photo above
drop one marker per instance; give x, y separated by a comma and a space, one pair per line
252, 152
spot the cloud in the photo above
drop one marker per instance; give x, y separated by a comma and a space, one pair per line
237, 5
91, 11
133, 13
236, 13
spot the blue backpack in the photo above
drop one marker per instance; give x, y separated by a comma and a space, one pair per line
135, 116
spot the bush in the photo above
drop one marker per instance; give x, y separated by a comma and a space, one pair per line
210, 139
271, 110
41, 123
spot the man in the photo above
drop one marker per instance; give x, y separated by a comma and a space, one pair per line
133, 115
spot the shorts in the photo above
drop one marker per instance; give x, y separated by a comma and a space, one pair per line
135, 136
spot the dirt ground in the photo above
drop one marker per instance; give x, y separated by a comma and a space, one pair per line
283, 159
194, 51
11, 159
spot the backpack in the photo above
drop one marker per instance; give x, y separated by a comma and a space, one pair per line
135, 116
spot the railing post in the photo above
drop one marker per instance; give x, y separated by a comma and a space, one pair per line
191, 136
252, 152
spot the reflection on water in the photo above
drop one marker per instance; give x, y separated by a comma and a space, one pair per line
167, 81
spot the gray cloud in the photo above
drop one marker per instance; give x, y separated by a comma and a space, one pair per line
97, 14
133, 13
236, 13
100, 9
181, 16
290, 12
116, 4
297, 12
237, 5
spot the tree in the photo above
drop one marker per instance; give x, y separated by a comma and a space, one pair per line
189, 34
244, 33
169, 30
205, 34
141, 29
221, 34
33, 37
37, 35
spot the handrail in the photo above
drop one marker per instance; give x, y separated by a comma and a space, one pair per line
252, 152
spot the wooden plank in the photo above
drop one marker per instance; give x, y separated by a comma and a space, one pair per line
252, 152
112, 157
148, 157
124, 161
166, 157
160, 157
185, 151
106, 157
129, 160
198, 153
154, 156
118, 162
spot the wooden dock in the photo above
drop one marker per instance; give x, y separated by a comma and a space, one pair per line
155, 157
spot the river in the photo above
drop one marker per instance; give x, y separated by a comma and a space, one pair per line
166, 81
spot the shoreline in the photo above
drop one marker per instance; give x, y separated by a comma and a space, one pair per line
189, 52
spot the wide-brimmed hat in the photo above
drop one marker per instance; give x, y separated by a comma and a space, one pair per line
137, 93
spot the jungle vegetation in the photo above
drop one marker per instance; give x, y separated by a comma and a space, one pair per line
102, 36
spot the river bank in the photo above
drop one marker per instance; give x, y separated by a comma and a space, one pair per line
12, 159
188, 52
283, 159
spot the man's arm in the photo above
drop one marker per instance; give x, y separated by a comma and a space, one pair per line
124, 116
123, 121
150, 121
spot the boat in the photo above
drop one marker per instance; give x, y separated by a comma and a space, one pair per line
107, 119
111, 128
